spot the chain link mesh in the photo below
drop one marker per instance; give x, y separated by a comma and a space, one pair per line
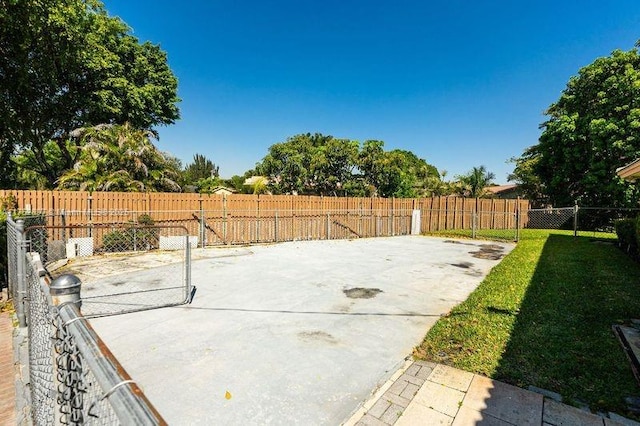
40, 318
12, 258
551, 218
496, 225
80, 398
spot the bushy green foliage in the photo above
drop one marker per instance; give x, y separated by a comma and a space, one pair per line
473, 184
120, 158
626, 230
201, 168
132, 238
591, 130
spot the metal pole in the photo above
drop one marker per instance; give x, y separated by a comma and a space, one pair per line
224, 220
258, 220
392, 218
11, 251
90, 202
575, 219
518, 221
328, 226
63, 221
21, 285
474, 224
187, 267
202, 228
65, 289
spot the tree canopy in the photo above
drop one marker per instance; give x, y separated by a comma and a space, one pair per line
324, 165
592, 129
66, 64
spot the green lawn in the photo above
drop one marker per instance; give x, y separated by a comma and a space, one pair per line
543, 317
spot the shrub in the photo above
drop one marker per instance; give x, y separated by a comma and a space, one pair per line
132, 238
116, 241
627, 231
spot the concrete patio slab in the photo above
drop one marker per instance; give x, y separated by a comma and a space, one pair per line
293, 333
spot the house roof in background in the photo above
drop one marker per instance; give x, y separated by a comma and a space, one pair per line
631, 171
499, 189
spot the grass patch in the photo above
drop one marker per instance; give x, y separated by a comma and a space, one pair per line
543, 317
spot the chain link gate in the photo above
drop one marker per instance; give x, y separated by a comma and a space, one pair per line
130, 289
73, 377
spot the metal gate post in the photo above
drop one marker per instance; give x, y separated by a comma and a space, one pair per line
187, 266
201, 225
474, 224
21, 285
518, 222
575, 219
328, 226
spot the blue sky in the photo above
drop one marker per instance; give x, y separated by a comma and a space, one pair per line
459, 83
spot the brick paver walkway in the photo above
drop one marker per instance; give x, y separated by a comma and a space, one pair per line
7, 372
424, 393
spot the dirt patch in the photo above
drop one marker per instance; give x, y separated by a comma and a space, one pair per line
463, 265
489, 251
361, 293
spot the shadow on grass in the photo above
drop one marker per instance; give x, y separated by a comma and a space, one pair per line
561, 338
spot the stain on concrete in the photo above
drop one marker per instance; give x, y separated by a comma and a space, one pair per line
361, 293
463, 265
118, 283
457, 242
489, 251
317, 336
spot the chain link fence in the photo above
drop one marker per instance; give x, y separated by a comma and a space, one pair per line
73, 379
591, 221
550, 218
491, 225
237, 226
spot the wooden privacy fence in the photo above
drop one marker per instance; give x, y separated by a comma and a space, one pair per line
238, 218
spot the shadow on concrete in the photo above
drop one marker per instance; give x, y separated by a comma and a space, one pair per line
278, 311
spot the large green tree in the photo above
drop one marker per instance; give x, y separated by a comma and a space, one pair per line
324, 165
397, 173
120, 158
66, 64
592, 129
310, 164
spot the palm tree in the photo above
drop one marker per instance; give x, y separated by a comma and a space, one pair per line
473, 183
120, 158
